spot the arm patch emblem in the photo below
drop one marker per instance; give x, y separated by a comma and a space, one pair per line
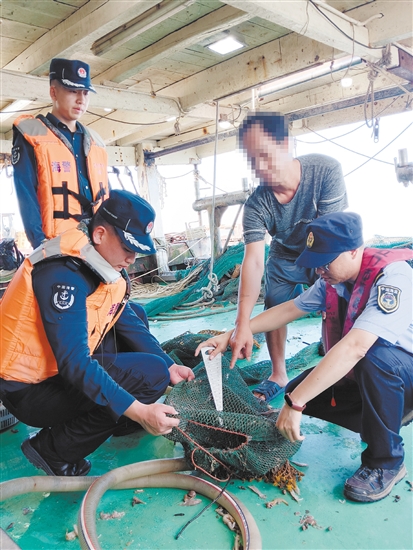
388, 298
63, 296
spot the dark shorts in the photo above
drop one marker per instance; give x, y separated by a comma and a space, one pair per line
284, 281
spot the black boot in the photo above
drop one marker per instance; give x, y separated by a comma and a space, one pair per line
38, 451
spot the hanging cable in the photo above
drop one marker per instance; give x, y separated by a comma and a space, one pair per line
342, 146
378, 152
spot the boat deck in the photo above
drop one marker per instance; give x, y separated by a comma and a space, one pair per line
40, 521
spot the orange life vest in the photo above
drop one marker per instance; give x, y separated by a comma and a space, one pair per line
25, 352
61, 204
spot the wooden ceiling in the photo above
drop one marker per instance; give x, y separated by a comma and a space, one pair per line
153, 69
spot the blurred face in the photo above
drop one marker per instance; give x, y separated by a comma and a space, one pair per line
112, 249
345, 268
68, 105
267, 156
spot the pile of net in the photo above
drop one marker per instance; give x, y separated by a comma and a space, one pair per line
226, 269
241, 440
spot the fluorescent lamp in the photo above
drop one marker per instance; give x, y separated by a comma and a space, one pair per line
107, 109
305, 75
346, 82
226, 45
13, 108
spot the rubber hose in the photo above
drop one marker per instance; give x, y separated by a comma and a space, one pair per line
141, 474
148, 474
249, 529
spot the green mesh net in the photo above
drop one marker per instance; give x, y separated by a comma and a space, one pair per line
242, 440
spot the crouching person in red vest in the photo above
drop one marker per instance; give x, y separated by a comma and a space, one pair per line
365, 380
76, 360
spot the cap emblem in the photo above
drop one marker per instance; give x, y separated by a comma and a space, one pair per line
310, 240
149, 227
130, 238
82, 72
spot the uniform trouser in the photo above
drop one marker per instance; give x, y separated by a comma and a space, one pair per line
78, 426
372, 405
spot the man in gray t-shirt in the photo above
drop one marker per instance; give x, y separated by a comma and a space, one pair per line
292, 193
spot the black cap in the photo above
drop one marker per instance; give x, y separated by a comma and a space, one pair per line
71, 73
132, 217
329, 236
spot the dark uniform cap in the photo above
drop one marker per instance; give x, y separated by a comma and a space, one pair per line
71, 73
329, 236
132, 217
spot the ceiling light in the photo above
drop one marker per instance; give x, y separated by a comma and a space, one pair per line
108, 109
13, 108
171, 119
223, 122
322, 69
226, 45
346, 82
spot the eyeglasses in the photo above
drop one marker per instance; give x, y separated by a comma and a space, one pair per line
326, 267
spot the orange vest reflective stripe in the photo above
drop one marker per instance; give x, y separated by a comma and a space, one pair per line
61, 204
25, 352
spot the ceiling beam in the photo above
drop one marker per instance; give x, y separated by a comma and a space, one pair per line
219, 20
395, 25
304, 18
286, 55
77, 33
36, 88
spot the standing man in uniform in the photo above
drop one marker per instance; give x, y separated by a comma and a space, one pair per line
60, 167
365, 380
292, 193
58, 372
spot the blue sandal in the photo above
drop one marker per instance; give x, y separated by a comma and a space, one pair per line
270, 390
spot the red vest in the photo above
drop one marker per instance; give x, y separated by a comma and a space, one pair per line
374, 261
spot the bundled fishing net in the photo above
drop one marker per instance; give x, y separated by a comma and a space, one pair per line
242, 440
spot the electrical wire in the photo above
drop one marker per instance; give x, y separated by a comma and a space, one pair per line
348, 149
176, 177
378, 152
125, 122
341, 30
327, 139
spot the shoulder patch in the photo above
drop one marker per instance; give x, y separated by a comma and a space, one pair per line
63, 296
388, 298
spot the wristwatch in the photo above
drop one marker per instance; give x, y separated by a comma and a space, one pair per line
293, 405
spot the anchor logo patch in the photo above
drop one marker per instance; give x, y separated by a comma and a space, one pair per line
63, 296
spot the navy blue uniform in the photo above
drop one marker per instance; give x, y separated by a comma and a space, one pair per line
83, 405
382, 393
26, 181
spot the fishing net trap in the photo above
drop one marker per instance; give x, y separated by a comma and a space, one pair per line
242, 440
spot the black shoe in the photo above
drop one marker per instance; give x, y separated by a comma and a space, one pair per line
372, 484
40, 455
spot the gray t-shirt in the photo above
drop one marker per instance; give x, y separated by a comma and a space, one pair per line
321, 191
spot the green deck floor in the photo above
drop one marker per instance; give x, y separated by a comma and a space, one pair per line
40, 521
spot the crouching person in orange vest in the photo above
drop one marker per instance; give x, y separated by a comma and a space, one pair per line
56, 371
